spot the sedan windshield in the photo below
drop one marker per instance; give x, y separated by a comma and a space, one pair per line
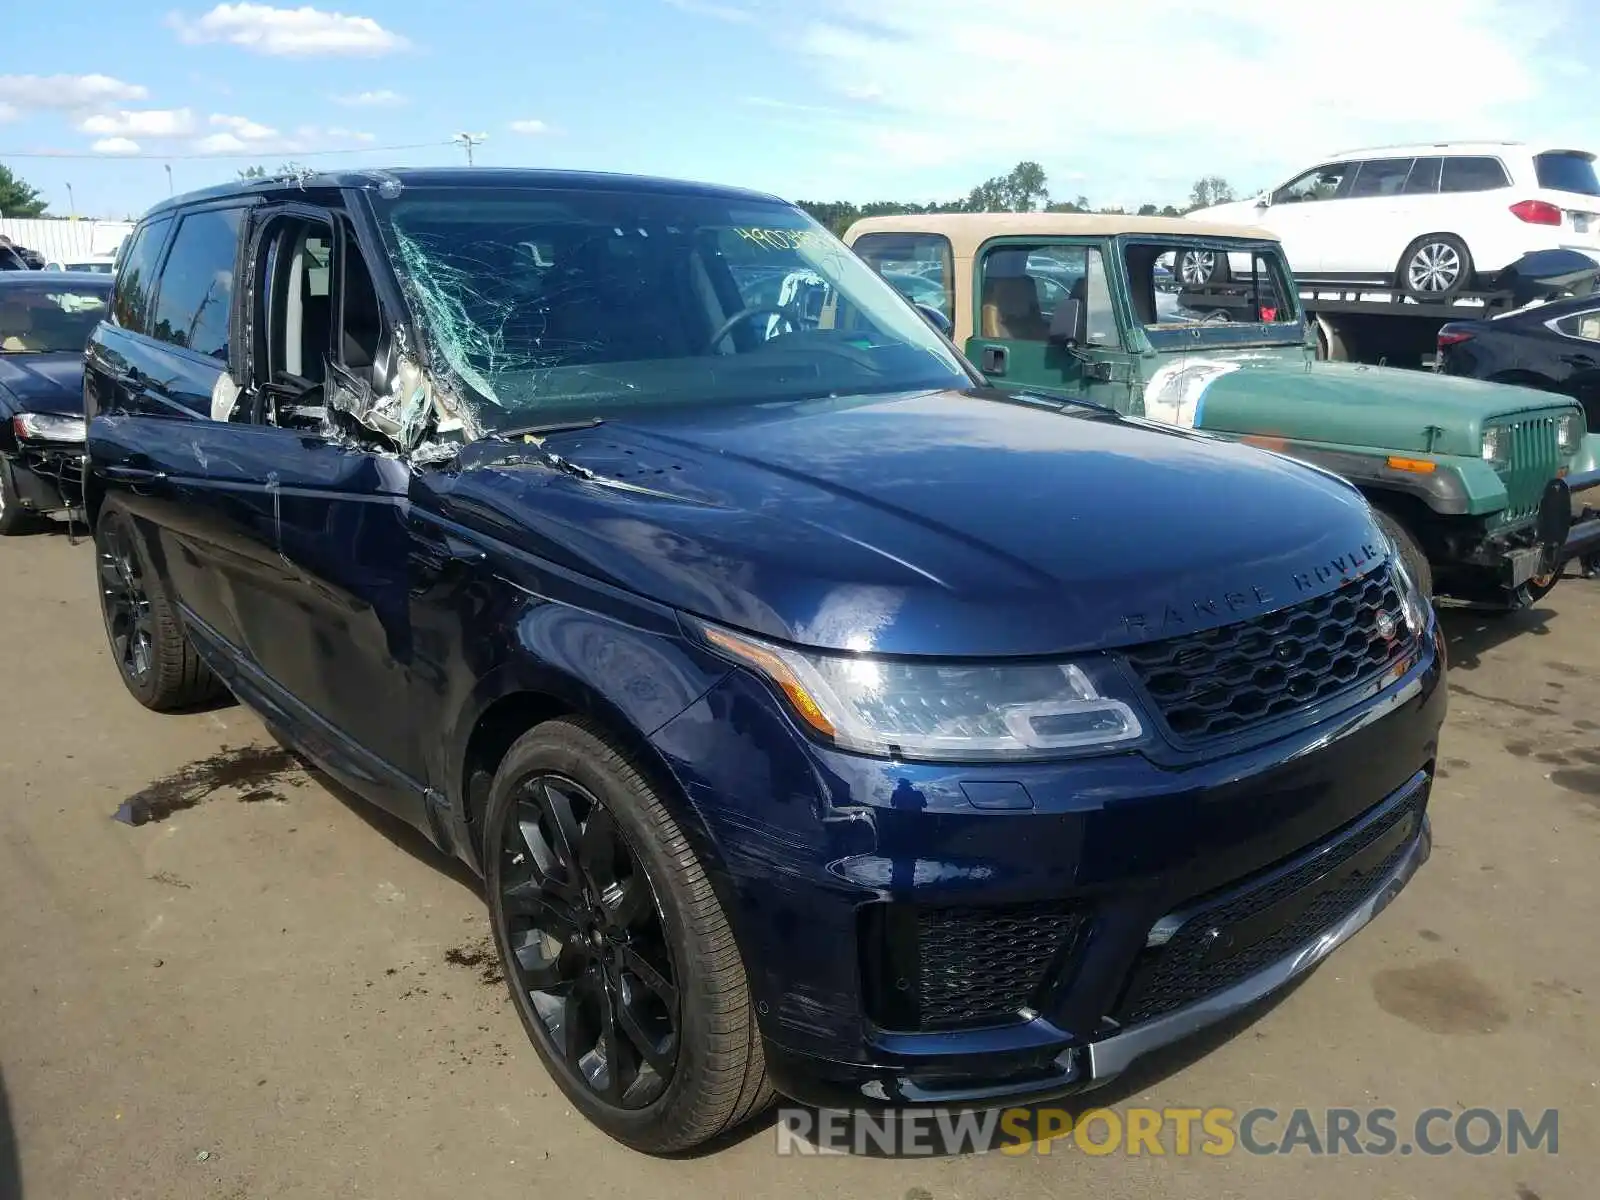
41, 318
554, 304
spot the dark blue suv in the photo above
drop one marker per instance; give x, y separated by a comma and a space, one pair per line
821, 719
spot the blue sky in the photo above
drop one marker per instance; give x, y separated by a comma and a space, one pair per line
828, 99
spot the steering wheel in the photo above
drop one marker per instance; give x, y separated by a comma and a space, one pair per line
744, 315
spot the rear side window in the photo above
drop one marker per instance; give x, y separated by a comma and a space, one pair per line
1424, 177
136, 276
1472, 174
1563, 171
1581, 325
196, 291
1381, 177
917, 265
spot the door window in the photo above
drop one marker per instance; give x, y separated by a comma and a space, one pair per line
136, 276
1470, 173
1381, 177
1319, 183
1020, 288
918, 265
1424, 177
196, 292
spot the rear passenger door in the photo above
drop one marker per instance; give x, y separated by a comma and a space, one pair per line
152, 372
1363, 232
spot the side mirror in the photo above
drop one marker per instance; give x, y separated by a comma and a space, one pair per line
1264, 200
936, 318
1069, 324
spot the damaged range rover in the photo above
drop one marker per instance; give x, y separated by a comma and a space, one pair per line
822, 720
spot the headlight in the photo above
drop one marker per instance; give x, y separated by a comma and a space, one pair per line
1495, 444
1569, 432
952, 711
1413, 604
51, 427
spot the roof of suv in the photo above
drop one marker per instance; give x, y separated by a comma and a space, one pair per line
457, 177
967, 230
1411, 150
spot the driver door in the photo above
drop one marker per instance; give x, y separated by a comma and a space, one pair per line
1017, 288
325, 617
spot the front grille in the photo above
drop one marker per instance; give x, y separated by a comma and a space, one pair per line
1532, 460
943, 967
1225, 680
1180, 972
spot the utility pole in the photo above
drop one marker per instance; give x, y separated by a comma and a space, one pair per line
72, 205
169, 177
468, 141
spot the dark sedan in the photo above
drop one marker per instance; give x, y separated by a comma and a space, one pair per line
1553, 346
45, 319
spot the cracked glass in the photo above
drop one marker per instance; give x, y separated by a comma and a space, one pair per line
546, 304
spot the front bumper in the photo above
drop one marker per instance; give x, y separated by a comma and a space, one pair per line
48, 475
1094, 871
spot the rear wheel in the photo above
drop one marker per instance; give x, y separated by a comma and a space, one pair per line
153, 655
1435, 266
619, 958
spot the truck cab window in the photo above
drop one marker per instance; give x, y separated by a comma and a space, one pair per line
1020, 288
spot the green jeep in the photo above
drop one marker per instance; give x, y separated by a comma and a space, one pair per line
1474, 481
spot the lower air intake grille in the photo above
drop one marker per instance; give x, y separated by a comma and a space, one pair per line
986, 963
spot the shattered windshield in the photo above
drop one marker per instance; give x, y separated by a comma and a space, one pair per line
1206, 288
553, 304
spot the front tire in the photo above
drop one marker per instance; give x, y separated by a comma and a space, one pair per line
619, 957
1197, 268
1411, 552
1435, 267
153, 656
14, 518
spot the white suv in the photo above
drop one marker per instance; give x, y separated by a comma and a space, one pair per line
1425, 219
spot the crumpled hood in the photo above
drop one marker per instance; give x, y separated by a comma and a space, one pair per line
942, 523
50, 383
1350, 404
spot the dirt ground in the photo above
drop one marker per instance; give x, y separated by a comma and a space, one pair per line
276, 992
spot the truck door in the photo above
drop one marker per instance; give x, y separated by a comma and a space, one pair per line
1017, 287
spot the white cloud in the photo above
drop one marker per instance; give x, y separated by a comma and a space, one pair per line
288, 31
115, 145
9, 112
719, 12
529, 126
241, 136
962, 92
382, 98
244, 128
221, 143
144, 122
65, 92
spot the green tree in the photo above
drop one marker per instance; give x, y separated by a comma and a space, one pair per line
1148, 210
1024, 189
1209, 190
255, 172
17, 198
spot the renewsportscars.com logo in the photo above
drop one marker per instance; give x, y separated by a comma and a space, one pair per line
1180, 1132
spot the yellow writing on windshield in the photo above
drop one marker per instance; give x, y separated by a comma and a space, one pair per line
784, 239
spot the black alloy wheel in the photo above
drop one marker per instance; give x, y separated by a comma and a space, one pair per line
586, 943
125, 601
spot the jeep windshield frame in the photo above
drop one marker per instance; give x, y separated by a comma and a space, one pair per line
1261, 309
556, 304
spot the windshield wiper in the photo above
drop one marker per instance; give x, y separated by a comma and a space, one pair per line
549, 427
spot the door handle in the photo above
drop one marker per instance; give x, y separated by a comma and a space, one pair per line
994, 360
131, 474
